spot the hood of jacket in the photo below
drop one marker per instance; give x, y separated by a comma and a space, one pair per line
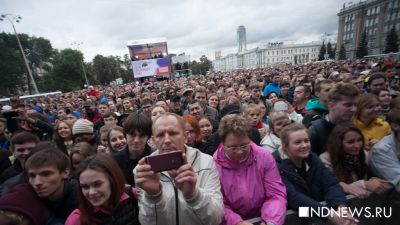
224, 161
314, 104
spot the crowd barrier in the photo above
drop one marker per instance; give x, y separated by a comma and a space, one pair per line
373, 201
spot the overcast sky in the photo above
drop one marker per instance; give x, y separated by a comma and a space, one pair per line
195, 27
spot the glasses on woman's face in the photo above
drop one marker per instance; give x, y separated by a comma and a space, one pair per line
237, 148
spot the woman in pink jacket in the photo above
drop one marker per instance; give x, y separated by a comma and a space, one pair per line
250, 180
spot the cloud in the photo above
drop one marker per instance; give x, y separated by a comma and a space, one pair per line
191, 26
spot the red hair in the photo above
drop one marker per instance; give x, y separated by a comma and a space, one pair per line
195, 124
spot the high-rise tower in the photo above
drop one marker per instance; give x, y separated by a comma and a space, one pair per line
241, 37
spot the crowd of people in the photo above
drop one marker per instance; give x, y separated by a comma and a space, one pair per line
254, 143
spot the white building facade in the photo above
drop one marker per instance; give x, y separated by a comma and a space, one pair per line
273, 53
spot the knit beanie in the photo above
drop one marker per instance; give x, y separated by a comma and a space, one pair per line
22, 199
82, 126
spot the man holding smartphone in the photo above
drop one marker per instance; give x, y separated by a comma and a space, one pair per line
188, 195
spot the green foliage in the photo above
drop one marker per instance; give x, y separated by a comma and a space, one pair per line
362, 49
322, 52
391, 41
67, 74
201, 67
12, 68
330, 50
107, 69
342, 53
195, 67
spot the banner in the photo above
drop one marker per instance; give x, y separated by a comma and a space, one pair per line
150, 67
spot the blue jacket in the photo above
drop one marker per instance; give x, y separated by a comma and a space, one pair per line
318, 185
272, 87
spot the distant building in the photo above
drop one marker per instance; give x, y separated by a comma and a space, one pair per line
218, 54
376, 17
270, 54
241, 38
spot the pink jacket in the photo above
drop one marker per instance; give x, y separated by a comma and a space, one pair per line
251, 189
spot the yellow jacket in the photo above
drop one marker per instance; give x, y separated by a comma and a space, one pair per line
377, 129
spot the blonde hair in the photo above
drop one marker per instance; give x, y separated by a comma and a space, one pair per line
251, 107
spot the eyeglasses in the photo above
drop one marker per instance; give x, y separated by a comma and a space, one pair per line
237, 148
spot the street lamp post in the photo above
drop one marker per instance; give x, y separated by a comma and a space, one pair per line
77, 44
17, 19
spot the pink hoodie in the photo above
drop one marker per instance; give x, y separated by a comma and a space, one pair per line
251, 189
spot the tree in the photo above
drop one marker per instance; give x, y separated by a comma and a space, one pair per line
342, 53
322, 52
330, 50
126, 72
391, 41
12, 68
195, 67
39, 53
205, 64
67, 74
362, 49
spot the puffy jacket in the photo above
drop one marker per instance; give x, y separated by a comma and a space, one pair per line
251, 189
206, 208
272, 87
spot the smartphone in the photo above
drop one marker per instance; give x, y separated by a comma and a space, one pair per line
166, 161
281, 106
